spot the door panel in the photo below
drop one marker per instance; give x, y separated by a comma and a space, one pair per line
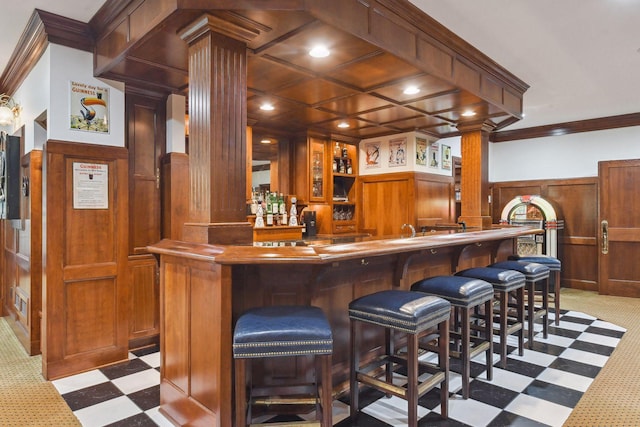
619, 239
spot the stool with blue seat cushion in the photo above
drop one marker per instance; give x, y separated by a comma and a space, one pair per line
416, 315
465, 295
536, 276
278, 331
506, 284
555, 267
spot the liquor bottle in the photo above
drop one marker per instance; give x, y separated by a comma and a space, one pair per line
349, 167
254, 202
293, 213
274, 203
259, 214
269, 197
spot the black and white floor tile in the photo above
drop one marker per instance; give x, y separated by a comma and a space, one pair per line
541, 388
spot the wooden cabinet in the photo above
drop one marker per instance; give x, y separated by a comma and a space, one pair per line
22, 269
343, 188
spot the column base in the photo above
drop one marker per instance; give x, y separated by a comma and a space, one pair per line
221, 233
483, 222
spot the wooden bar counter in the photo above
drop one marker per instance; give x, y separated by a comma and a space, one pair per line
204, 288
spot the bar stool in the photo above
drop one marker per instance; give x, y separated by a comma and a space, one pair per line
416, 315
277, 331
534, 274
505, 283
465, 295
555, 267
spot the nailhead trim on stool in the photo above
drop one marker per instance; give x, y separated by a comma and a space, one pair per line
555, 267
534, 274
465, 295
416, 315
504, 282
283, 331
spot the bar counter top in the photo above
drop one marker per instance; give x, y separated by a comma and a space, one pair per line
324, 249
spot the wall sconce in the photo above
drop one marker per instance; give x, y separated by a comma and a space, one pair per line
9, 110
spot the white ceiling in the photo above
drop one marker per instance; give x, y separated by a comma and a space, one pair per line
581, 58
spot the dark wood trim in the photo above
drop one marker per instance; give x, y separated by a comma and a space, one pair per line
558, 129
42, 28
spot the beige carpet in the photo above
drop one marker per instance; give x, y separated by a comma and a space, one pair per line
614, 397
26, 399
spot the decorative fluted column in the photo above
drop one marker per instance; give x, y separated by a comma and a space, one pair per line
217, 130
474, 185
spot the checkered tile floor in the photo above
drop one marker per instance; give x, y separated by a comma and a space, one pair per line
539, 389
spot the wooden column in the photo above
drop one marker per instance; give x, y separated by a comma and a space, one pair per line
474, 185
217, 130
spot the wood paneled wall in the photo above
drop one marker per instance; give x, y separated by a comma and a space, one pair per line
576, 202
85, 280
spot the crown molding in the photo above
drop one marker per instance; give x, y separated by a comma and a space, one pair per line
43, 28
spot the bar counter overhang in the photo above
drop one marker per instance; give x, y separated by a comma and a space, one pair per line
204, 288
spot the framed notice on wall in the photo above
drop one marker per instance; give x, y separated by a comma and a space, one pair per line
90, 186
89, 105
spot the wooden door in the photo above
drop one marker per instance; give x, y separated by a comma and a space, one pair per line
619, 237
146, 144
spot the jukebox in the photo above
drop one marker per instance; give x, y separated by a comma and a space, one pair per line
538, 212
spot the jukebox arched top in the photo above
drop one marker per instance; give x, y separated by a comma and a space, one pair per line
536, 211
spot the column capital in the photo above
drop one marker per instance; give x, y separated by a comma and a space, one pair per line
482, 126
231, 25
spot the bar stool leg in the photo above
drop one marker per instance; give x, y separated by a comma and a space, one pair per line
412, 378
443, 362
545, 307
355, 364
488, 331
556, 295
520, 314
531, 308
504, 324
465, 351
326, 388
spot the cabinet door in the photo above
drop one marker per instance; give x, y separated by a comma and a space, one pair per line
318, 169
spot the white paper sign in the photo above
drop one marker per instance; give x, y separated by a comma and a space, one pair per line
90, 186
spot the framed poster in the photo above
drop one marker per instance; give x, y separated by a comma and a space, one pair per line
398, 152
421, 151
433, 157
372, 155
446, 157
89, 107
90, 185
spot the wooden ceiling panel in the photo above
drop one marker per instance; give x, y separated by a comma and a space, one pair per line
373, 71
387, 115
419, 122
355, 104
267, 76
314, 91
344, 48
427, 85
445, 102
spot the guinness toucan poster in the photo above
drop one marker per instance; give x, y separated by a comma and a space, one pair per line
89, 107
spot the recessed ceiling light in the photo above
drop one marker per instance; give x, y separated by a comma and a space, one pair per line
469, 113
411, 90
267, 107
343, 125
319, 51
265, 141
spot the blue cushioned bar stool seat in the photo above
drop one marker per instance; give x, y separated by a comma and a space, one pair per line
278, 331
416, 315
506, 284
465, 295
536, 276
555, 267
